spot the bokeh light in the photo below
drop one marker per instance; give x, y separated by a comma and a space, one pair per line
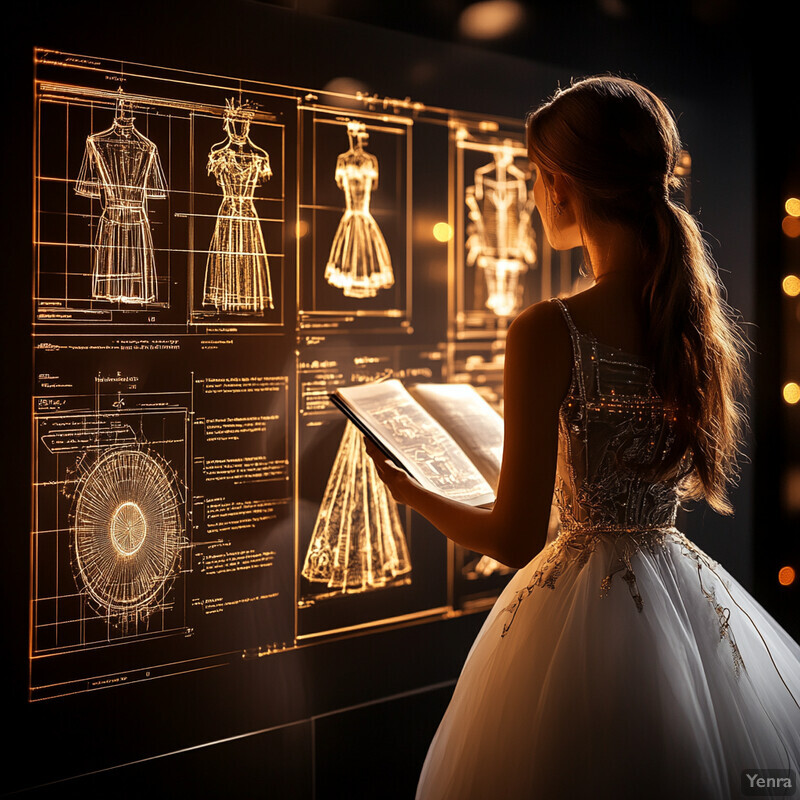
491, 19
791, 285
614, 8
348, 90
684, 166
791, 392
793, 207
302, 228
442, 232
791, 226
786, 576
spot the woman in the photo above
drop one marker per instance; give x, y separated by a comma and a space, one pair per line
620, 661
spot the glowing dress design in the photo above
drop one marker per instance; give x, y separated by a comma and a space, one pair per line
122, 165
501, 240
358, 542
622, 661
359, 261
237, 270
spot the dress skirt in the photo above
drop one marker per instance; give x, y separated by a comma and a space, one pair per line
663, 680
359, 261
124, 266
237, 270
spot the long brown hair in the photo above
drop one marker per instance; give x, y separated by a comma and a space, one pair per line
618, 146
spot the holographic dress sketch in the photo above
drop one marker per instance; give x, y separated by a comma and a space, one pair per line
358, 542
237, 270
359, 261
122, 166
501, 240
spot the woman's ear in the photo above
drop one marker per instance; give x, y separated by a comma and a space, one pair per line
567, 210
558, 188
561, 189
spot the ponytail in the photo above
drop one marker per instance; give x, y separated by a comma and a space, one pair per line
697, 350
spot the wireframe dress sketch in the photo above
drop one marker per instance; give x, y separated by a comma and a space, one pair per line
501, 241
237, 270
358, 542
122, 166
359, 261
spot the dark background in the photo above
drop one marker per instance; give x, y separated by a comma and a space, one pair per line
353, 718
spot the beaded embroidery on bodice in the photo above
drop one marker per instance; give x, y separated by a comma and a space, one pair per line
612, 417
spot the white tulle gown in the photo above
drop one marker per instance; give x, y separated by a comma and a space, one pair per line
622, 661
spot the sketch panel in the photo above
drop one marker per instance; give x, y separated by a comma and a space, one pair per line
498, 251
110, 537
161, 198
354, 220
240, 229
108, 184
122, 592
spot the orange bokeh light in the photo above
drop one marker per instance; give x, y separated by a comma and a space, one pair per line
491, 19
793, 207
786, 576
791, 226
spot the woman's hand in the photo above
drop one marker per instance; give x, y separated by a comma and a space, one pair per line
399, 483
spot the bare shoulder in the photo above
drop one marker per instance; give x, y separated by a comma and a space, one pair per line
541, 324
540, 348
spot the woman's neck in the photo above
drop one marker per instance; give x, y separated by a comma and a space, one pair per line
614, 253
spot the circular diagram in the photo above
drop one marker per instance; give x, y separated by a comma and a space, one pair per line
128, 528
127, 531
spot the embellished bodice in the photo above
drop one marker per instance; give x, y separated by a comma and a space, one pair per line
357, 175
611, 420
239, 171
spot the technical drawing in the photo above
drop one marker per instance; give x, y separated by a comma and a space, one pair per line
126, 534
429, 450
237, 270
358, 542
359, 261
501, 240
122, 166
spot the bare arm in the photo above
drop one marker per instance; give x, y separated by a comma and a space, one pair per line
537, 374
